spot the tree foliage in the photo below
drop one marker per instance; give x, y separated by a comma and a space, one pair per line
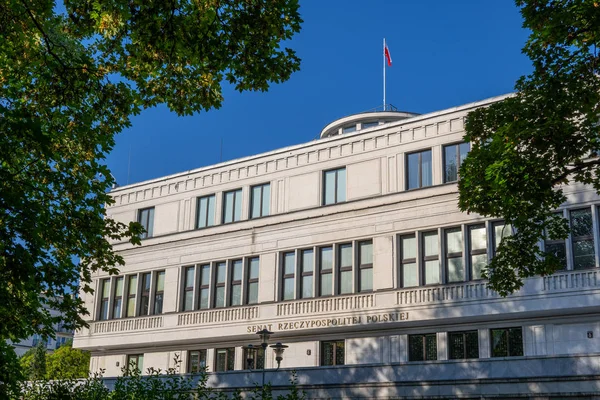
68, 363
71, 77
526, 147
10, 371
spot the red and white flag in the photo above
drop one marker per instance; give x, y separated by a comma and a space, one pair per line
388, 57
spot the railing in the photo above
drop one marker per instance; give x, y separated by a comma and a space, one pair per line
131, 324
356, 302
212, 316
571, 280
473, 290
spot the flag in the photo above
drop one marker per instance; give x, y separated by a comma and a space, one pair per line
388, 57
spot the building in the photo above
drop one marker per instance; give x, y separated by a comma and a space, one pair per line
352, 250
62, 336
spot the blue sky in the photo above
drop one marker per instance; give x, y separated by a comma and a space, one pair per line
445, 53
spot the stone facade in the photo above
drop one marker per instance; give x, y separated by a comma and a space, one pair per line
334, 249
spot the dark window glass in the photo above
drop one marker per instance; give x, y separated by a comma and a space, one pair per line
146, 218
418, 170
507, 342
463, 345
259, 203
422, 347
224, 359
477, 250
557, 248
235, 287
371, 124
365, 260
253, 267
289, 273
344, 261
204, 298
145, 297
159, 293
254, 358
118, 299
188, 289
220, 284
307, 268
454, 155
454, 259
408, 261
205, 213
325, 271
196, 361
105, 297
334, 186
332, 353
582, 236
232, 206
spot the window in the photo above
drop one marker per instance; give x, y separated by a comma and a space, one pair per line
254, 358
145, 298
224, 359
204, 300
289, 269
463, 345
205, 213
332, 353
501, 230
196, 361
221, 270
454, 155
371, 124
349, 129
477, 250
557, 248
131, 293
118, 299
454, 257
36, 340
344, 271
422, 347
334, 186
430, 261
507, 342
582, 236
408, 263
135, 362
260, 200
326, 271
146, 218
418, 170
159, 293
307, 267
365, 259
235, 288
253, 267
188, 289
232, 206
105, 296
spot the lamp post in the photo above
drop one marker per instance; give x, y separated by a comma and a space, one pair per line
278, 348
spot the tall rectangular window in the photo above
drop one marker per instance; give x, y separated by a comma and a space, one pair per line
235, 287
196, 361
224, 359
463, 345
454, 155
252, 292
582, 237
289, 273
418, 170
454, 257
232, 206
205, 212
344, 270
557, 248
408, 261
188, 289
159, 293
260, 200
332, 353
105, 290
220, 275
365, 259
325, 271
204, 298
307, 267
501, 230
334, 186
422, 347
131, 293
254, 358
146, 218
135, 362
118, 299
507, 342
145, 297
430, 261
477, 250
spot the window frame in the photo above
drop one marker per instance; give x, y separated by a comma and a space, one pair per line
304, 273
145, 294
218, 284
336, 172
250, 280
137, 358
335, 345
464, 344
229, 359
204, 268
507, 331
423, 337
118, 299
131, 296
325, 272
554, 242
285, 276
262, 199
444, 160
236, 193
425, 258
257, 353
412, 260
340, 269
147, 221
104, 309
420, 169
208, 198
585, 238
158, 296
188, 289
235, 282
202, 354
476, 252
449, 256
362, 267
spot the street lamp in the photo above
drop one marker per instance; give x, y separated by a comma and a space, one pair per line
278, 348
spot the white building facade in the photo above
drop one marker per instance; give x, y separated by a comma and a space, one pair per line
352, 250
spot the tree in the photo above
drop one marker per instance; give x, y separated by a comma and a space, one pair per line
526, 147
71, 77
37, 366
68, 363
10, 371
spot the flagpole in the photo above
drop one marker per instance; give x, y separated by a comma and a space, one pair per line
383, 74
